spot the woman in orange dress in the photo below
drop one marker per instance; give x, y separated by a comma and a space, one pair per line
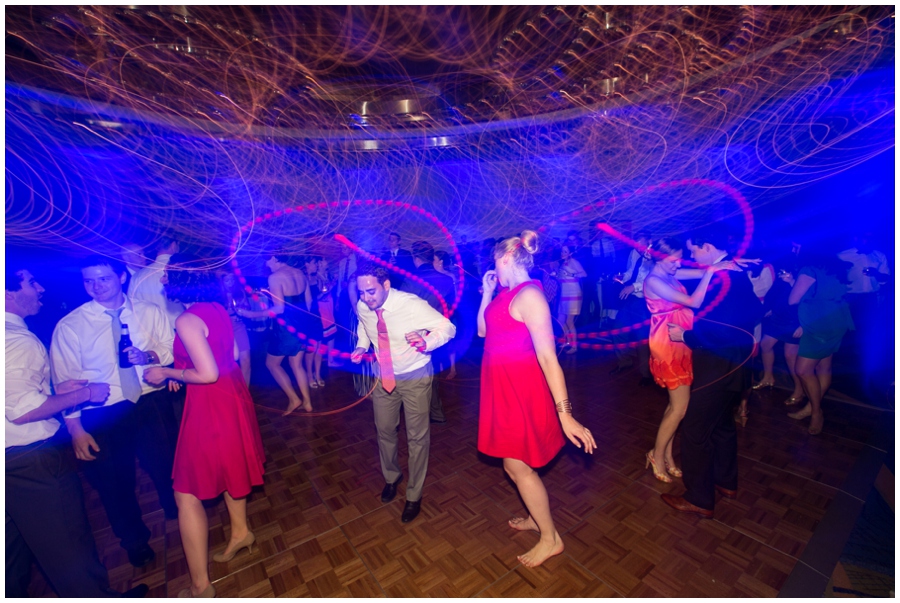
670, 361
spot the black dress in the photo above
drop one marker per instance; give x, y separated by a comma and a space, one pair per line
783, 321
282, 342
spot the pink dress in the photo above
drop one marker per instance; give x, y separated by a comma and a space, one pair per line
517, 417
219, 447
670, 361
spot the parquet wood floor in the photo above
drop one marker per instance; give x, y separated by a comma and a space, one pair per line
322, 530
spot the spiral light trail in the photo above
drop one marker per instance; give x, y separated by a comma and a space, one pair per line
127, 121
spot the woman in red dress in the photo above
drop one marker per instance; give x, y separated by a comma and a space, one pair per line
670, 361
520, 380
219, 447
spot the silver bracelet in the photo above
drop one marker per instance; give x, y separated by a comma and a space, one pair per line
182, 375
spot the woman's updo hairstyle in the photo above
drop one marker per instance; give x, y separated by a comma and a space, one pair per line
669, 246
522, 248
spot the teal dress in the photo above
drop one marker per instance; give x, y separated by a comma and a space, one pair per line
824, 315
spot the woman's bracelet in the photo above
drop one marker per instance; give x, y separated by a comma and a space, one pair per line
182, 375
564, 406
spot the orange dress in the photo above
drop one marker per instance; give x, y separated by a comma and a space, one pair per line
670, 361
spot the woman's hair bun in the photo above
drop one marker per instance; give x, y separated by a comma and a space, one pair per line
529, 239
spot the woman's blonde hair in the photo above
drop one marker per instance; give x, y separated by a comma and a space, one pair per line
522, 248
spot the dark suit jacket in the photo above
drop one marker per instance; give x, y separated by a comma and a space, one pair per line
718, 347
403, 260
441, 282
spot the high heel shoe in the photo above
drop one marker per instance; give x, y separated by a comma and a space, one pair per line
763, 385
208, 593
651, 462
673, 470
794, 400
247, 543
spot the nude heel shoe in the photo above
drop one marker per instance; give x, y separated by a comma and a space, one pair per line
651, 462
247, 543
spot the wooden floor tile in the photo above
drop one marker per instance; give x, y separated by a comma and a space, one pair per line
322, 530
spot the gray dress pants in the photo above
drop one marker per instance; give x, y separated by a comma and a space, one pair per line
413, 392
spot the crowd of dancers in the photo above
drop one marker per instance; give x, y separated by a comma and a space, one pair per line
170, 338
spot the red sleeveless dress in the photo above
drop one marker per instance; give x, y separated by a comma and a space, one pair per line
517, 417
219, 447
670, 361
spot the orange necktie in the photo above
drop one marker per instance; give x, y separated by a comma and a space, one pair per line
384, 354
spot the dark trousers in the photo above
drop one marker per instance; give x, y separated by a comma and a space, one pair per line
46, 522
123, 431
709, 445
868, 347
633, 311
440, 361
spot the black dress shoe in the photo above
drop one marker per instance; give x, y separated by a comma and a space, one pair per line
141, 556
138, 592
411, 510
390, 490
438, 421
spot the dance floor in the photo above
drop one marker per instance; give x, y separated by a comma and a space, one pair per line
322, 530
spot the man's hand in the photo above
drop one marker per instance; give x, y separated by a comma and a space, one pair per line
136, 356
626, 291
70, 386
99, 392
82, 443
415, 339
154, 375
676, 332
357, 355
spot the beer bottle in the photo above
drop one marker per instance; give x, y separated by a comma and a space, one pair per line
124, 342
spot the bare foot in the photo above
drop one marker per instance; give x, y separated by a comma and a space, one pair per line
541, 552
451, 374
523, 524
294, 405
307, 406
816, 424
804, 412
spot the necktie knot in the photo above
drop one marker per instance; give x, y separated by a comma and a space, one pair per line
117, 313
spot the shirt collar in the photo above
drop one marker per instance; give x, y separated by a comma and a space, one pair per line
96, 308
389, 301
16, 320
721, 257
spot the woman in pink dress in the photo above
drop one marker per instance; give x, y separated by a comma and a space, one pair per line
520, 380
670, 361
219, 447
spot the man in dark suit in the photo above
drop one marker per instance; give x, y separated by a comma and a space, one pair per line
423, 260
721, 342
401, 258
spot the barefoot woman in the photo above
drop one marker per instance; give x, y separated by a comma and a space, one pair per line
520, 381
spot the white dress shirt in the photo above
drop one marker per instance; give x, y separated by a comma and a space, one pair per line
27, 384
83, 347
403, 313
146, 286
643, 271
859, 282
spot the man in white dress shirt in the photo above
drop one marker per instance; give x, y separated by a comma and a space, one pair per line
404, 330
634, 310
869, 347
45, 517
147, 286
132, 421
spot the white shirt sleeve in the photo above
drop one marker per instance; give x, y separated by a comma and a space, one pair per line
364, 341
161, 333
65, 359
440, 329
26, 384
